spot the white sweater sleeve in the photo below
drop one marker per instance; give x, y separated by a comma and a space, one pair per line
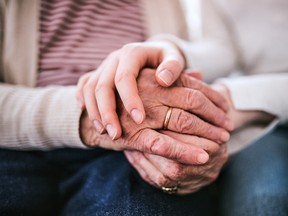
266, 92
39, 118
215, 53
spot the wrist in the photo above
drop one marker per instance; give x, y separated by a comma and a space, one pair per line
241, 118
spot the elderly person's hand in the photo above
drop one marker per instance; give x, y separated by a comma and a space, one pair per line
96, 90
194, 112
174, 177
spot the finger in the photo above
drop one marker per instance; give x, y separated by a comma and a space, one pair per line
91, 103
171, 67
209, 146
208, 172
151, 141
184, 122
191, 178
170, 169
196, 102
80, 88
131, 62
214, 96
195, 74
148, 171
106, 100
135, 158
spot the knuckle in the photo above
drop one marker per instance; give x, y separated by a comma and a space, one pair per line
183, 122
199, 85
160, 147
113, 55
99, 88
106, 116
175, 172
120, 76
161, 180
219, 117
82, 79
209, 130
92, 115
89, 87
196, 99
130, 47
132, 160
199, 171
145, 176
157, 145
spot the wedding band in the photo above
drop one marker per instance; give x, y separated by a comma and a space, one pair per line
167, 118
170, 190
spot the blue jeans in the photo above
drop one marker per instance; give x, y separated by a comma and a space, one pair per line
102, 182
255, 181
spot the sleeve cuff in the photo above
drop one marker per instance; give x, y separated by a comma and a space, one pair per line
260, 92
63, 125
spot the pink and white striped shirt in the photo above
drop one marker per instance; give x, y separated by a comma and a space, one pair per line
77, 35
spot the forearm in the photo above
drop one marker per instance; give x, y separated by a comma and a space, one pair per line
42, 118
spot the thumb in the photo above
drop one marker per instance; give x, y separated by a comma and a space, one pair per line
170, 69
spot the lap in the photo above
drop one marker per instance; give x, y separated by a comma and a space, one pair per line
27, 184
110, 186
255, 181
100, 182
86, 182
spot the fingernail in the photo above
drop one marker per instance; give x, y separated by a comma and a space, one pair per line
166, 76
225, 136
226, 106
111, 131
229, 125
137, 116
202, 158
98, 126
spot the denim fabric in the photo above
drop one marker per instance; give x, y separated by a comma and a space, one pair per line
255, 181
101, 182
86, 182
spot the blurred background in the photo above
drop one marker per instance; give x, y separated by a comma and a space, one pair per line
193, 15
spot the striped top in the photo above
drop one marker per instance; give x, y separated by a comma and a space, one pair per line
77, 35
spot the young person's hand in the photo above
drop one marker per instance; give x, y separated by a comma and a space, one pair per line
118, 73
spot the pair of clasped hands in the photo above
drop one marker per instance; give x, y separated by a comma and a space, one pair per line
125, 103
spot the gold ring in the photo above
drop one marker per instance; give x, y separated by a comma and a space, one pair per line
167, 118
170, 190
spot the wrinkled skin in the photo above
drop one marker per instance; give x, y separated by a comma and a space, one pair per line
187, 96
160, 171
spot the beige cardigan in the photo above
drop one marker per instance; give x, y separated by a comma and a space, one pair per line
44, 118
